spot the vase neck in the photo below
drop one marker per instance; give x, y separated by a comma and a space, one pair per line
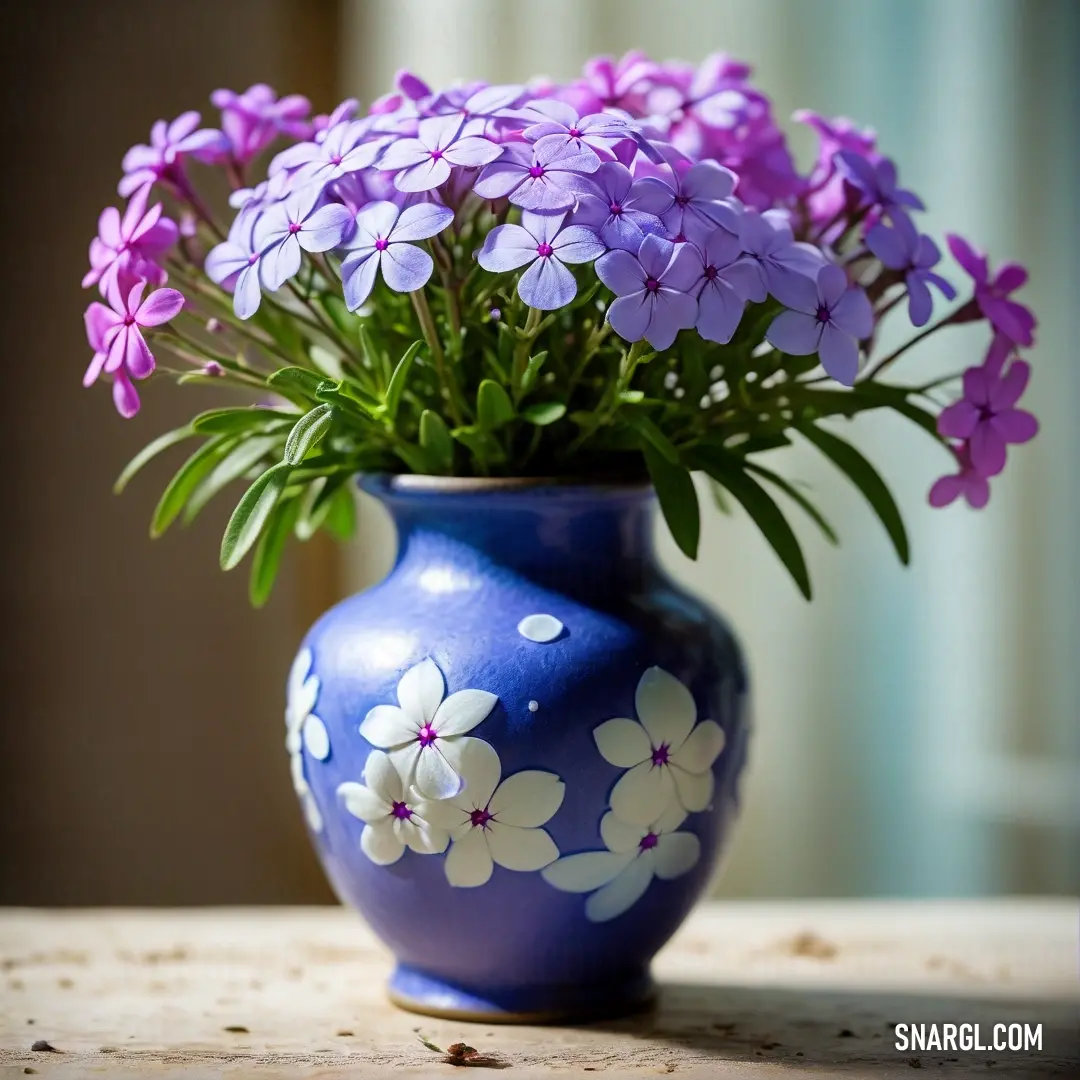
582, 541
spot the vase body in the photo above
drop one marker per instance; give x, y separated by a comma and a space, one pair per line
524, 618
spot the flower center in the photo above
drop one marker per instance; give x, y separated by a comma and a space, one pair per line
661, 754
129, 320
480, 818
682, 200
615, 209
253, 258
822, 314
295, 226
381, 244
400, 810
335, 160
652, 285
679, 239
427, 735
648, 841
536, 171
436, 154
574, 133
543, 250
711, 272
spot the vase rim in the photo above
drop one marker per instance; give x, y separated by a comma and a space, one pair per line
421, 483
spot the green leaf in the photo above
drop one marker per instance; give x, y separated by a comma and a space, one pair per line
544, 413
307, 432
797, 496
652, 435
268, 551
339, 314
532, 371
238, 462
187, 479
297, 383
229, 421
397, 380
723, 504
149, 452
251, 514
867, 479
896, 397
761, 507
341, 518
331, 393
479, 443
493, 406
678, 499
435, 438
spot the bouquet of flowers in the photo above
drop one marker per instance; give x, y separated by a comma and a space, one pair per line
620, 276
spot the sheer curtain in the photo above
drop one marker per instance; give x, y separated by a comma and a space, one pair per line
916, 730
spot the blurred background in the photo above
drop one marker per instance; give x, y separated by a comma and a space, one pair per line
917, 730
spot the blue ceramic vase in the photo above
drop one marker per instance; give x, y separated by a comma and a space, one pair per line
518, 755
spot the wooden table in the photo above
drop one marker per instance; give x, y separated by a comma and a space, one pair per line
748, 989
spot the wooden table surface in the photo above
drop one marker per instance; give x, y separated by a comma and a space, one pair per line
792, 989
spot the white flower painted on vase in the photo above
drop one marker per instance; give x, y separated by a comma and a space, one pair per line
496, 823
668, 757
424, 734
304, 729
619, 876
393, 820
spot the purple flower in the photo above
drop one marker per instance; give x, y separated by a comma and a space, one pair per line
720, 300
234, 265
541, 240
548, 175
322, 123
383, 239
876, 182
252, 120
985, 418
294, 224
345, 149
169, 144
968, 482
776, 262
115, 334
131, 244
992, 296
829, 317
824, 193
610, 83
424, 162
621, 209
586, 134
653, 290
696, 207
902, 248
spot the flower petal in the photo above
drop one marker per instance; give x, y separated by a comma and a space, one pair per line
424, 176
383, 777
477, 763
247, 293
520, 848
622, 742
701, 748
381, 844
159, 307
404, 759
643, 793
621, 894
618, 835
469, 862
421, 836
1016, 425
585, 871
794, 333
987, 450
406, 268
527, 799
547, 285
420, 690
316, 738
694, 790
329, 227
945, 490
853, 313
1007, 391
362, 802
507, 247
839, 354
435, 777
577, 244
358, 276
421, 221
387, 726
445, 814
620, 272
665, 708
461, 712
958, 420
675, 854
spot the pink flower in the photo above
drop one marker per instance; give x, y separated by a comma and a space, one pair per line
131, 244
992, 295
169, 144
985, 418
115, 334
968, 482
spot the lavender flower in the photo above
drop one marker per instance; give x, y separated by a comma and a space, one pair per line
424, 162
131, 244
252, 120
720, 301
968, 483
621, 209
543, 176
696, 207
776, 262
298, 223
876, 182
824, 188
322, 123
610, 83
594, 134
345, 148
169, 145
992, 295
542, 242
985, 416
234, 265
902, 248
829, 317
383, 239
115, 335
653, 290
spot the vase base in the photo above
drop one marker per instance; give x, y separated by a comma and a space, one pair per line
418, 992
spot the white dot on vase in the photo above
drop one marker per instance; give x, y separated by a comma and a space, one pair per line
316, 739
540, 628
533, 706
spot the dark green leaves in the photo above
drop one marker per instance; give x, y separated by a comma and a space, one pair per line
307, 432
398, 379
186, 480
251, 514
544, 413
865, 477
678, 499
651, 435
297, 383
435, 439
798, 497
493, 406
149, 452
268, 551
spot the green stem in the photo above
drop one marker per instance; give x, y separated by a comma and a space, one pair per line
431, 336
882, 364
